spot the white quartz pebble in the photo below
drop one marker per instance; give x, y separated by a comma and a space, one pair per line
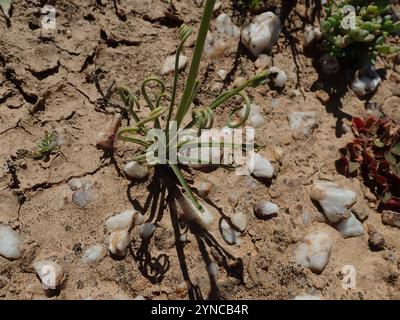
10, 243
334, 200
147, 230
50, 273
279, 77
256, 118
260, 167
366, 81
226, 26
123, 220
118, 242
350, 227
265, 209
135, 170
240, 220
93, 254
314, 251
190, 212
230, 235
169, 64
261, 33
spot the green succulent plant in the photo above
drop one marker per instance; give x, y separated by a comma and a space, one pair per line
45, 146
359, 31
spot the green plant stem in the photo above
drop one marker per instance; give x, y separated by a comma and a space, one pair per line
194, 67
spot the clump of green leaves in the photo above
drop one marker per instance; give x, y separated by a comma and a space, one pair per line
45, 146
358, 29
165, 110
375, 152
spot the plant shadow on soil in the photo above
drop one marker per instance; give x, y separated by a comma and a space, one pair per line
162, 194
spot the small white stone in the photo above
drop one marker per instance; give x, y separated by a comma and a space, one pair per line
311, 36
366, 81
206, 188
93, 254
147, 230
239, 81
256, 118
118, 242
261, 33
135, 170
190, 212
350, 227
302, 124
226, 27
263, 61
214, 47
169, 64
279, 77
391, 218
334, 200
314, 251
265, 209
50, 273
230, 235
329, 64
10, 243
140, 298
222, 74
260, 167
123, 220
240, 220
75, 184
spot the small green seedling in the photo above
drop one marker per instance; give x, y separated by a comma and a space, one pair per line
359, 29
161, 116
45, 146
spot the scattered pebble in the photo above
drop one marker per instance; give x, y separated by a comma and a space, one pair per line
302, 124
262, 168
256, 118
239, 81
314, 251
233, 200
334, 200
278, 77
75, 184
118, 242
391, 218
147, 230
361, 210
135, 170
376, 240
265, 209
226, 27
311, 36
85, 195
190, 212
206, 188
124, 220
50, 273
278, 153
230, 235
263, 61
366, 81
105, 139
350, 227
214, 47
222, 74
261, 33
240, 220
93, 254
139, 298
169, 64
10, 243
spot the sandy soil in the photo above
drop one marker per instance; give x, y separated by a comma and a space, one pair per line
47, 84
